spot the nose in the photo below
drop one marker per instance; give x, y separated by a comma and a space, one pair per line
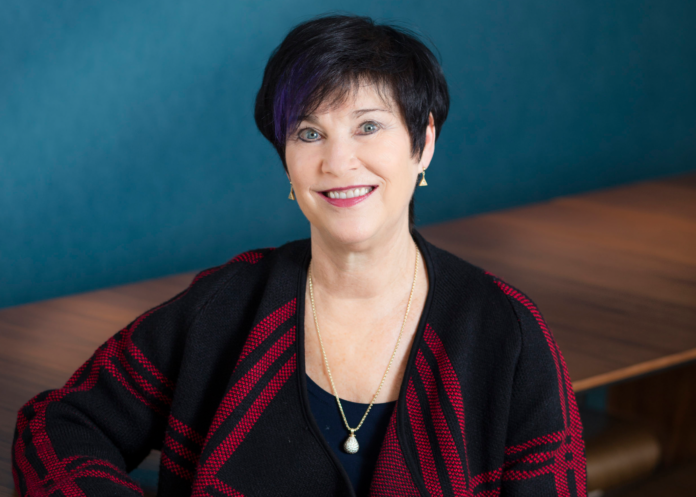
339, 156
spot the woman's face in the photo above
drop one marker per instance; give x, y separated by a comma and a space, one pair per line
351, 168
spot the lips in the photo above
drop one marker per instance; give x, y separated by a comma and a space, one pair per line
350, 192
348, 196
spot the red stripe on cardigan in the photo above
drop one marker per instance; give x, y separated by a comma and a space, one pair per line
34, 488
267, 326
251, 257
535, 458
145, 362
488, 477
508, 290
545, 439
420, 435
144, 385
445, 439
224, 488
59, 479
206, 474
452, 387
246, 383
108, 476
81, 470
105, 361
489, 493
241, 389
573, 433
176, 468
179, 449
392, 476
186, 431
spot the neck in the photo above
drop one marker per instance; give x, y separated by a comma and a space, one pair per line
368, 270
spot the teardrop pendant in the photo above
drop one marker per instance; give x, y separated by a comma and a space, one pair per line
351, 445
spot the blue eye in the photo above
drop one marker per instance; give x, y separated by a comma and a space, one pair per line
308, 135
369, 127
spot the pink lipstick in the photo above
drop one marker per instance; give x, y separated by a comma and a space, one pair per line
353, 195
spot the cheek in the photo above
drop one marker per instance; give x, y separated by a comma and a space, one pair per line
393, 162
290, 158
297, 162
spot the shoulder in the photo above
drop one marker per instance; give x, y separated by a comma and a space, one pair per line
458, 282
246, 273
222, 293
488, 325
215, 276
248, 268
469, 297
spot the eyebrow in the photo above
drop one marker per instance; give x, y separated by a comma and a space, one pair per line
360, 112
312, 118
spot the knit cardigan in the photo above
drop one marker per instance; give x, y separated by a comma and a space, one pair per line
215, 379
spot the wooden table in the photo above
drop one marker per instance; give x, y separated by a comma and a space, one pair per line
614, 273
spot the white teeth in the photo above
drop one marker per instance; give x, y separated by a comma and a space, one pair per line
355, 192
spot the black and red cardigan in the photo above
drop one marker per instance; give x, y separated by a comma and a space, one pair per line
214, 378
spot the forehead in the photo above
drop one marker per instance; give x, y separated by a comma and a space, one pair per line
359, 97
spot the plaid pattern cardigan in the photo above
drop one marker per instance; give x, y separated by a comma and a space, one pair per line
214, 378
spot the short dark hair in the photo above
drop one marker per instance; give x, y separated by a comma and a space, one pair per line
325, 57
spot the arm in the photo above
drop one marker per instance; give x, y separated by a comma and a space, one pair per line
84, 438
545, 453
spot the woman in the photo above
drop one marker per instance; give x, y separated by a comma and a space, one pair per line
361, 361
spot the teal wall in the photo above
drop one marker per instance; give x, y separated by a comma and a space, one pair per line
128, 148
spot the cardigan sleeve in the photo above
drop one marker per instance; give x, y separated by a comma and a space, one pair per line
84, 438
544, 453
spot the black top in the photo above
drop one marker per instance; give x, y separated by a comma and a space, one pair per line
361, 465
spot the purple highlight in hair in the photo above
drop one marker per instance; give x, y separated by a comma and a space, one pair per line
291, 98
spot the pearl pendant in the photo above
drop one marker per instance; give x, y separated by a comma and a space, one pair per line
351, 445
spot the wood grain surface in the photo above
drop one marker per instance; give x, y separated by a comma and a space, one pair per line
613, 272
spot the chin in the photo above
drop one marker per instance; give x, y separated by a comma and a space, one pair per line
352, 232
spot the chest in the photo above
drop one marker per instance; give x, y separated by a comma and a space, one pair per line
360, 346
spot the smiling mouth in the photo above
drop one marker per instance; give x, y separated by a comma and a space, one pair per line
348, 193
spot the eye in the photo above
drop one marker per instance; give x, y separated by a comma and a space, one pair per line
369, 127
308, 135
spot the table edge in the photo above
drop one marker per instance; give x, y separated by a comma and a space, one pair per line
634, 370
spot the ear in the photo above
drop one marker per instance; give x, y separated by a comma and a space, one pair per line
429, 148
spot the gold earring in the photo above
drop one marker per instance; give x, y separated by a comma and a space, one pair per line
422, 181
291, 196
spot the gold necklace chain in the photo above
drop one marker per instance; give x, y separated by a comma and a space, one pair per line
351, 445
